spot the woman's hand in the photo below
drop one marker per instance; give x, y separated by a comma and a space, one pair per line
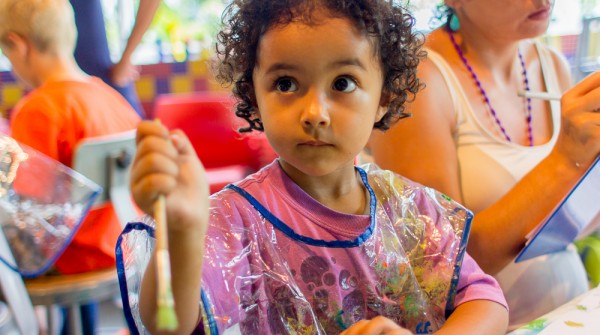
579, 138
123, 72
166, 163
377, 326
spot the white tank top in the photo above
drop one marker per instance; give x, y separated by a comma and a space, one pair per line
489, 167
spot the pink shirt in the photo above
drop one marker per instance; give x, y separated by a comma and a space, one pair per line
278, 259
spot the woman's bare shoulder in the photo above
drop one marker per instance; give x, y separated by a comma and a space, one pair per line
436, 94
559, 63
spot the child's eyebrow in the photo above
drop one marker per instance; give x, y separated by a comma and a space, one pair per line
281, 66
349, 61
339, 63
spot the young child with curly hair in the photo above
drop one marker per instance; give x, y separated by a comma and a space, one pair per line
311, 244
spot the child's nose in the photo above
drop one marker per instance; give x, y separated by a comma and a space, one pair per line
316, 111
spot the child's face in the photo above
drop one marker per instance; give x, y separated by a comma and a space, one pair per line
318, 90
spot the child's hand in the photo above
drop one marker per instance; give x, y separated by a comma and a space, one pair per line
579, 139
166, 163
377, 326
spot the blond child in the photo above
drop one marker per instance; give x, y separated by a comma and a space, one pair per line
64, 106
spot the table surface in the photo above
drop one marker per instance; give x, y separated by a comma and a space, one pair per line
579, 316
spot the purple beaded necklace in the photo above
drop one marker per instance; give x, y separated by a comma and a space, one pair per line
487, 100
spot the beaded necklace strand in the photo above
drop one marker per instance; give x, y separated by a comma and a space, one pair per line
487, 100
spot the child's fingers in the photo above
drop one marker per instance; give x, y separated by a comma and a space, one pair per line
356, 328
181, 142
150, 134
151, 144
377, 326
147, 189
155, 167
151, 128
153, 163
152, 173
154, 154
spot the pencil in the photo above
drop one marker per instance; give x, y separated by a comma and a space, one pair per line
539, 95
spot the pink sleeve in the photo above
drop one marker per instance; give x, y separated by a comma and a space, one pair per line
474, 284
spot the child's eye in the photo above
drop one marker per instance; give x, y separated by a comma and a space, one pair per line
344, 84
286, 85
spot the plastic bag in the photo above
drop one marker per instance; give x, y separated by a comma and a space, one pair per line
42, 204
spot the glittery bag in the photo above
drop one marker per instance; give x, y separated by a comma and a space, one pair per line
42, 204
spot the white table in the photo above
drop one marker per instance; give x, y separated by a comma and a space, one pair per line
579, 316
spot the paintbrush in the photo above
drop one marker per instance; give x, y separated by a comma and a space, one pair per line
166, 318
539, 95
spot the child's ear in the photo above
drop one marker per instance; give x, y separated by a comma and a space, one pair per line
383, 106
381, 111
16, 43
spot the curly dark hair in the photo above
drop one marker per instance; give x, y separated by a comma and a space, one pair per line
385, 22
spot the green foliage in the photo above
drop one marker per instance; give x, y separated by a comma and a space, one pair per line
184, 20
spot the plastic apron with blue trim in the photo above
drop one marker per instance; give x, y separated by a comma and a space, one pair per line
261, 276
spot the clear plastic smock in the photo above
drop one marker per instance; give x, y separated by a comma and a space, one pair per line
278, 262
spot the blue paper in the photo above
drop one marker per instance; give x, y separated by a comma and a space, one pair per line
577, 215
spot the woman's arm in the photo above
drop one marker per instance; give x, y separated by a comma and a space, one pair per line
422, 148
123, 71
499, 231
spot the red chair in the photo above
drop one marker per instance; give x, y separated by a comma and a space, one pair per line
208, 119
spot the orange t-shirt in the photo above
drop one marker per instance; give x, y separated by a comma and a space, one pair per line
52, 119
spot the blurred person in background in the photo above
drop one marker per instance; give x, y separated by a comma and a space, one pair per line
92, 52
65, 106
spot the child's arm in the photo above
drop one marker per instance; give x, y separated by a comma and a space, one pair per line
480, 303
473, 317
476, 317
167, 164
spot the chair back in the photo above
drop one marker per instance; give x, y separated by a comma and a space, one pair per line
106, 160
209, 120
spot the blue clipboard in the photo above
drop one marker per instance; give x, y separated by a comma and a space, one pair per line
578, 213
